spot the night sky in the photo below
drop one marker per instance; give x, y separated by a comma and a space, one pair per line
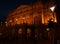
8, 5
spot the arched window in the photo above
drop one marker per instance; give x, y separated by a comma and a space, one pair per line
20, 31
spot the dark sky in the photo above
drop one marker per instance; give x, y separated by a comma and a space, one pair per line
9, 5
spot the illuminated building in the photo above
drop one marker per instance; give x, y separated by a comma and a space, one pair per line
36, 13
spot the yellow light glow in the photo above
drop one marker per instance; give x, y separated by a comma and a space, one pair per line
10, 20
28, 30
5, 22
23, 18
39, 13
20, 31
16, 19
48, 29
42, 19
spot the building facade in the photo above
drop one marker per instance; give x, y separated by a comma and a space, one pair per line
32, 14
31, 20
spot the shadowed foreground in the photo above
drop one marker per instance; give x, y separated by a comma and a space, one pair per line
18, 41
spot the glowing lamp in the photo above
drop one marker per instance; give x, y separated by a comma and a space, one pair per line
10, 20
48, 29
5, 22
16, 19
23, 18
52, 8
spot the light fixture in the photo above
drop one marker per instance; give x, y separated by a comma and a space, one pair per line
48, 29
16, 19
10, 20
28, 30
52, 8
52, 20
20, 31
5, 22
23, 18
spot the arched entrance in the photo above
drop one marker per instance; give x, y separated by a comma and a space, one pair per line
26, 31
